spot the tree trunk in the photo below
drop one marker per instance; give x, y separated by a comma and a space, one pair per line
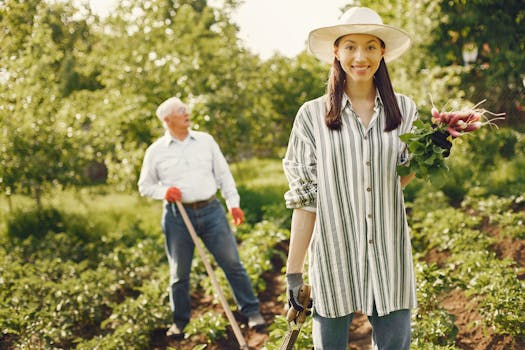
38, 197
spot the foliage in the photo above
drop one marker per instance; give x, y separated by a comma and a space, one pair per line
278, 331
205, 67
433, 326
288, 83
213, 325
258, 249
426, 158
79, 95
415, 74
496, 31
470, 262
38, 142
261, 185
81, 106
97, 279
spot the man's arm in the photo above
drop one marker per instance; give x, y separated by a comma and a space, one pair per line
148, 183
224, 177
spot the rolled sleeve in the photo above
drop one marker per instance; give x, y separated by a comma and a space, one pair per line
300, 167
303, 185
403, 155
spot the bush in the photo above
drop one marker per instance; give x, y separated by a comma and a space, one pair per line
48, 232
253, 200
34, 222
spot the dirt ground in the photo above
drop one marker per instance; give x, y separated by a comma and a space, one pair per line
471, 336
359, 333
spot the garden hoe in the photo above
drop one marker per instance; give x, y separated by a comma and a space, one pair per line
209, 269
296, 318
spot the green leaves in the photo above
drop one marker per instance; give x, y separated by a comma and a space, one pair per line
425, 158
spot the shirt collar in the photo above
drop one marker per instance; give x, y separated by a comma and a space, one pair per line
169, 139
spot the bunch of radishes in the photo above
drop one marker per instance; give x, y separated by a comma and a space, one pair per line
426, 157
460, 122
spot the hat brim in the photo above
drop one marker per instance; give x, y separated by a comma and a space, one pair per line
321, 40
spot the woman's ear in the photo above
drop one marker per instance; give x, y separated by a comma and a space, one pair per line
336, 52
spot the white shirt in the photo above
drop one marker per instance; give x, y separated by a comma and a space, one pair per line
196, 166
360, 251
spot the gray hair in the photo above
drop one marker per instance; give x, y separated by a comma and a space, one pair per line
167, 107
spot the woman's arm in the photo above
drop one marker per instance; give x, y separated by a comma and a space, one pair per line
300, 236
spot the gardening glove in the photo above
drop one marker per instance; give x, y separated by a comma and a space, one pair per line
439, 138
173, 194
295, 282
237, 215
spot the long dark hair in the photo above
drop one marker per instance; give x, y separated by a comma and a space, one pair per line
335, 88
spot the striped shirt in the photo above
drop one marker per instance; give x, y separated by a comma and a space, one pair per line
360, 251
196, 166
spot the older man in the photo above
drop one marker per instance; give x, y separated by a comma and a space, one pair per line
188, 166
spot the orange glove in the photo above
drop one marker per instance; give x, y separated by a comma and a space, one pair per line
237, 215
173, 194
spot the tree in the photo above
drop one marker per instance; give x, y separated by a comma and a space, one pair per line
415, 73
496, 31
37, 142
159, 49
286, 83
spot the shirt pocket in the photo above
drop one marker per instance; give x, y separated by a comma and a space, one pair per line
202, 162
169, 167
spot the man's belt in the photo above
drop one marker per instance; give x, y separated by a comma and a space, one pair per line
200, 204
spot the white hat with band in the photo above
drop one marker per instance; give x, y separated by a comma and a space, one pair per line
358, 20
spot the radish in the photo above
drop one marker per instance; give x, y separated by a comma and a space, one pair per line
462, 125
435, 113
473, 126
462, 121
425, 158
453, 132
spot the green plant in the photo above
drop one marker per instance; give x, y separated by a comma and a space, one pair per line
210, 325
278, 331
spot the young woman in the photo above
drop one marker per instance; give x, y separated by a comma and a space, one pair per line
347, 197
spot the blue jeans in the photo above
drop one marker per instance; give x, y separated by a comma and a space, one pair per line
212, 227
389, 332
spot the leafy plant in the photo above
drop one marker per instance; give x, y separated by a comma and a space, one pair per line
210, 325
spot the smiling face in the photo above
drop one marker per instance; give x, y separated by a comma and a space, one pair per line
359, 55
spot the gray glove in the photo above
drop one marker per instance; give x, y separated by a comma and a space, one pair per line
295, 281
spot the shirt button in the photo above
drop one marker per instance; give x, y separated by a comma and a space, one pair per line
369, 216
369, 189
368, 163
366, 137
371, 241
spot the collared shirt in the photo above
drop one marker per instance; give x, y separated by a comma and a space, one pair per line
196, 166
360, 251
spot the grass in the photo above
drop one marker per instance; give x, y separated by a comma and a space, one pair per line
257, 173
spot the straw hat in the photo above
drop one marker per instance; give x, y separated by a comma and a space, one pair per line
358, 20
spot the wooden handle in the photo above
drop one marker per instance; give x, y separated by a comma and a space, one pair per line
211, 273
303, 299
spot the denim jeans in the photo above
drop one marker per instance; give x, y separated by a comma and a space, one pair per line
212, 227
389, 332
